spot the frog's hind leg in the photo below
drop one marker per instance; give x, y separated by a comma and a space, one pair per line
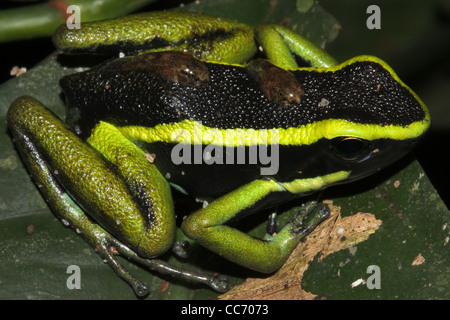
57, 160
57, 198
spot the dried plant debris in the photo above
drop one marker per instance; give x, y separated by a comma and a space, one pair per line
418, 260
332, 235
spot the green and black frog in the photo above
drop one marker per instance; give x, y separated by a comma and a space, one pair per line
184, 105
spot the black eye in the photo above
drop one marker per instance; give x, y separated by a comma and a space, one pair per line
349, 148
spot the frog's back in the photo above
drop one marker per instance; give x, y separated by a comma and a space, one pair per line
168, 89
142, 92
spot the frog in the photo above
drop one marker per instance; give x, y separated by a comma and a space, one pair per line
180, 84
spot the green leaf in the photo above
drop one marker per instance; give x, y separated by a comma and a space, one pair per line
304, 5
316, 24
415, 224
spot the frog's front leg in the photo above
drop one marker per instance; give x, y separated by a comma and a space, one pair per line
207, 227
127, 196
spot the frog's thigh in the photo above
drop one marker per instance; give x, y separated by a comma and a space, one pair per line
48, 146
146, 184
206, 226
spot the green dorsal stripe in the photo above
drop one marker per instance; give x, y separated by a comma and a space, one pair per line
192, 132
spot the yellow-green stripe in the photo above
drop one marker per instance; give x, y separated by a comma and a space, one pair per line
192, 132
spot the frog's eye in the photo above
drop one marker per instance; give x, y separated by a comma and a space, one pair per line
350, 148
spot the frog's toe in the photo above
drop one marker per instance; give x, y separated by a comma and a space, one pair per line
305, 222
141, 289
181, 249
220, 283
105, 251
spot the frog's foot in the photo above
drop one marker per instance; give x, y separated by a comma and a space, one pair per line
308, 218
114, 247
107, 247
107, 253
305, 221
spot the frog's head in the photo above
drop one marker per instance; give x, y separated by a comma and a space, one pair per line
362, 117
